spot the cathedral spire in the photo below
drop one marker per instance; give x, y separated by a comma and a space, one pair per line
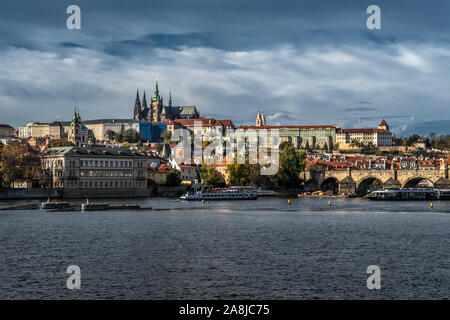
144, 101
138, 101
137, 106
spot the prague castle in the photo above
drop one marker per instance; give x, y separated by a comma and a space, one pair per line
157, 112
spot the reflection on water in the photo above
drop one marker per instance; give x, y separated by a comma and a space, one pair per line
230, 250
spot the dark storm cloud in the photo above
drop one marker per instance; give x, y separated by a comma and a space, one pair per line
296, 60
359, 109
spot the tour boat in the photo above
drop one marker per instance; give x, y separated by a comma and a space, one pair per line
221, 194
444, 194
260, 192
404, 194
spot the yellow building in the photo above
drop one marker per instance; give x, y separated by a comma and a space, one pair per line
36, 129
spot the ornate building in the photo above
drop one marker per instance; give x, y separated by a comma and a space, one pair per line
157, 112
380, 137
78, 133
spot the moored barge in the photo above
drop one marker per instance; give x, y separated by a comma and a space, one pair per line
407, 194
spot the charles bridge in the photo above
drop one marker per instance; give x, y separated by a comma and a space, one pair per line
360, 181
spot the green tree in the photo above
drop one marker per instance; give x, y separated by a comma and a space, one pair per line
166, 135
20, 162
59, 144
291, 163
409, 141
210, 177
111, 135
173, 178
442, 143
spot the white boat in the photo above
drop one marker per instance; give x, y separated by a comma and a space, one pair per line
221, 194
260, 192
265, 193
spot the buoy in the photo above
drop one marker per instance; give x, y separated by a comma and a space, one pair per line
289, 201
431, 205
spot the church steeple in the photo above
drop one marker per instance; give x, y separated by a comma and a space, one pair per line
258, 120
263, 120
144, 102
156, 94
74, 119
137, 107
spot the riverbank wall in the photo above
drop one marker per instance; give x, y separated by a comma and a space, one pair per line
31, 193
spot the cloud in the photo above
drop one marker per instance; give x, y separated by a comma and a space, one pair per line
223, 56
359, 109
303, 86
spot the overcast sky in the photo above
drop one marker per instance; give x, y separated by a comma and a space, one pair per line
301, 62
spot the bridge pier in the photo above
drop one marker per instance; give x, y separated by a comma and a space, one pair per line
347, 186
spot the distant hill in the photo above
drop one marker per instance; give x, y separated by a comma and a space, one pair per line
440, 127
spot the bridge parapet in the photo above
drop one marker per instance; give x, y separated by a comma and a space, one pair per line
389, 178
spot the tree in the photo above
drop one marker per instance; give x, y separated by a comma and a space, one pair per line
409, 141
166, 135
291, 163
20, 162
111, 135
210, 177
442, 143
59, 144
420, 153
173, 178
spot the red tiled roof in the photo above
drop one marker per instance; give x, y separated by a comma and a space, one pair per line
287, 127
186, 166
362, 131
383, 123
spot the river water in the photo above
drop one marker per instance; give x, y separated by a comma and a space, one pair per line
262, 249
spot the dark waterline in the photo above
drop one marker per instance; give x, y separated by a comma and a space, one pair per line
262, 249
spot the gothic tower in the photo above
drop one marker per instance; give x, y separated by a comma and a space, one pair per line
144, 108
156, 106
137, 107
258, 120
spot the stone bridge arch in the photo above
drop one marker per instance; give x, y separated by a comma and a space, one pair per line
366, 185
414, 181
330, 184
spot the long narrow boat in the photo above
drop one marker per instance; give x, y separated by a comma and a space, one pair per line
444, 194
414, 194
221, 194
